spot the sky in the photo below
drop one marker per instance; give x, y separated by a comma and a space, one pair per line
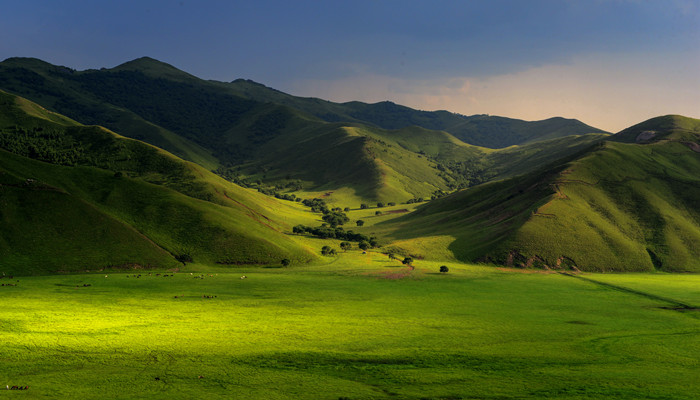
609, 63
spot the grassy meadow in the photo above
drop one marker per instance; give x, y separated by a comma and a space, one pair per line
349, 327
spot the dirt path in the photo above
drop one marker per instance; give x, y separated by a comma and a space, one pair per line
405, 272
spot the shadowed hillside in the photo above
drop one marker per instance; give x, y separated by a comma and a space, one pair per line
80, 197
617, 207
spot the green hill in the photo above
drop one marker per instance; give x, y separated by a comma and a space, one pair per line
246, 131
80, 197
616, 207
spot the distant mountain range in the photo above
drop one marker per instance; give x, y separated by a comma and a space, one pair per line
93, 173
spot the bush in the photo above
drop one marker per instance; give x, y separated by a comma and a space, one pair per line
327, 251
184, 258
285, 262
444, 269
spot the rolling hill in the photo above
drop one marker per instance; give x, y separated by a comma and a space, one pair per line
565, 196
248, 132
615, 207
78, 197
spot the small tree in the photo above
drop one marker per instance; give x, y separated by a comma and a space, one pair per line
407, 261
377, 212
346, 209
327, 251
285, 262
184, 258
444, 269
391, 203
380, 204
363, 245
345, 246
360, 222
391, 256
363, 206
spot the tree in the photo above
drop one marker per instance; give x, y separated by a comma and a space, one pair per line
346, 209
444, 269
360, 222
391, 203
363, 206
391, 256
285, 262
407, 261
327, 251
377, 212
184, 258
335, 218
363, 245
380, 204
345, 246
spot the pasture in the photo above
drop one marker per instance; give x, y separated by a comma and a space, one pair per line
343, 330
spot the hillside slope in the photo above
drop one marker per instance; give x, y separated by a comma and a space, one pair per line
245, 131
617, 207
139, 204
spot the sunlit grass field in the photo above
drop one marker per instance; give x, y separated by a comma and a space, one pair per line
343, 330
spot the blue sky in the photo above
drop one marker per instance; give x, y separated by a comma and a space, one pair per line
610, 63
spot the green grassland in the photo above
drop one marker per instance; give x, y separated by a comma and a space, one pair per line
342, 329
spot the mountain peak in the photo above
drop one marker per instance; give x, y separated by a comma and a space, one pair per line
151, 66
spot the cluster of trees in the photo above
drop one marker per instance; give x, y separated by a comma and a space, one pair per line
316, 205
437, 194
365, 206
232, 174
464, 174
50, 145
328, 251
333, 217
327, 232
415, 200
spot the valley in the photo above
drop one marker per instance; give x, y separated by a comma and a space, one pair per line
164, 236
